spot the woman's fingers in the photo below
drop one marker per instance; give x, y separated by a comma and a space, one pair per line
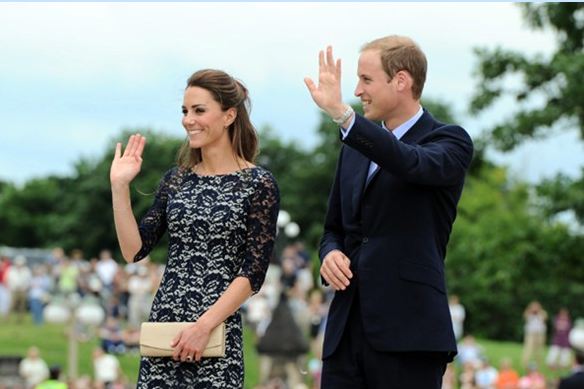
127, 149
135, 146
140, 146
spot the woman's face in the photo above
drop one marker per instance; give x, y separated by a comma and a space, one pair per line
204, 120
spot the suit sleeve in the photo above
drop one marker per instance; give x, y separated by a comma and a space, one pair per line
333, 237
440, 159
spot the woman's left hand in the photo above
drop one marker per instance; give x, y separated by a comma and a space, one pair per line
190, 343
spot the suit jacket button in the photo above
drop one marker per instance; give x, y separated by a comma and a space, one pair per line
365, 240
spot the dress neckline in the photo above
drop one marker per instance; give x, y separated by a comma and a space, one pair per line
234, 173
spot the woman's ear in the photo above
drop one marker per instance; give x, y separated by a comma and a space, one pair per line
230, 116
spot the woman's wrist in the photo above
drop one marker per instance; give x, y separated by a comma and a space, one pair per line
205, 324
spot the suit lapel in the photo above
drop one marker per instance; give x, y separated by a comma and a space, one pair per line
360, 166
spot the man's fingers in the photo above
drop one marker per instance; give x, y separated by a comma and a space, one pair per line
329, 57
310, 84
335, 271
331, 279
118, 152
344, 265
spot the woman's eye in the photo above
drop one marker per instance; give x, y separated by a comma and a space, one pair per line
199, 110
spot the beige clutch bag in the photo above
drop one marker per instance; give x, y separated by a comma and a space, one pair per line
155, 339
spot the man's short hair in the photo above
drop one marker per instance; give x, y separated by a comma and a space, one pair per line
401, 53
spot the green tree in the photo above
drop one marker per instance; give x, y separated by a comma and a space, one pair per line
504, 252
550, 92
549, 95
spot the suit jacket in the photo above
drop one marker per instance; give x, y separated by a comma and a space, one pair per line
394, 228
575, 381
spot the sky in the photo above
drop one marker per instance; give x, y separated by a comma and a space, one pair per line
73, 75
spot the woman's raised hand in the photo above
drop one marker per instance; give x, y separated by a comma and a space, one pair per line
125, 167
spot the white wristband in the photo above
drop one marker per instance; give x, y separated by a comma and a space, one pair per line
346, 115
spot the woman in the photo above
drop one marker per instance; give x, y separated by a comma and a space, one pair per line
560, 351
220, 211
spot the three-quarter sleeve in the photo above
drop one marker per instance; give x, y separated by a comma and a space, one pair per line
261, 230
153, 225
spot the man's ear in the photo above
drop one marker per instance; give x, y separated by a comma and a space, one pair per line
404, 80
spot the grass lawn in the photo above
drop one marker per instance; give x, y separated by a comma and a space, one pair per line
52, 341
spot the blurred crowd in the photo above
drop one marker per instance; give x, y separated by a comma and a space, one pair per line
286, 319
473, 370
124, 292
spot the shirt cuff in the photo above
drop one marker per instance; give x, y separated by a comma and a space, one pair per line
345, 131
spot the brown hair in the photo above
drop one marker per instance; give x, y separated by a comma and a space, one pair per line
401, 53
229, 93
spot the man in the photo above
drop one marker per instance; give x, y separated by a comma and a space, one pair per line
576, 379
389, 217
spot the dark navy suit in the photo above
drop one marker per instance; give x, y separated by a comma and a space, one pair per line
575, 381
394, 227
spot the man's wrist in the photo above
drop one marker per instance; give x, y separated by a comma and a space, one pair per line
344, 115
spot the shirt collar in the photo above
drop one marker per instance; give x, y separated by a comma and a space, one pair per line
401, 130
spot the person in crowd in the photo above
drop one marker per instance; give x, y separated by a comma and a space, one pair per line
458, 315
399, 177
33, 368
486, 375
39, 292
111, 336
68, 277
258, 312
534, 333
18, 281
131, 338
449, 379
220, 211
54, 380
140, 289
469, 351
106, 368
508, 377
467, 376
4, 291
533, 379
560, 352
106, 268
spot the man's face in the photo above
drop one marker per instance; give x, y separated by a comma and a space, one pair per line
375, 89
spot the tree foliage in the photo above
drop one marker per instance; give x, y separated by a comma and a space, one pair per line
505, 249
550, 89
505, 252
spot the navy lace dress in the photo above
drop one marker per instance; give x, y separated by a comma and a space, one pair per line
220, 227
